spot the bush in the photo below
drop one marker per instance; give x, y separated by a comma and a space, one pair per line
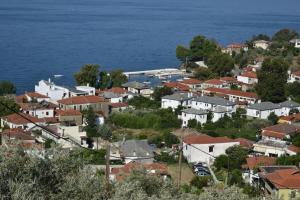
165, 157
200, 181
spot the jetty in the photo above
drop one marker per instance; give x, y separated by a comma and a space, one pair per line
165, 72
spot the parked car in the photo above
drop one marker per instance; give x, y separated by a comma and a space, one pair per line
202, 173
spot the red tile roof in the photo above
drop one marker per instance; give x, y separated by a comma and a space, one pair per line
235, 46
285, 178
296, 73
249, 74
191, 81
244, 142
119, 105
117, 90
253, 162
294, 148
228, 79
178, 86
231, 92
17, 133
282, 128
81, 100
70, 112
273, 134
35, 95
214, 82
291, 118
17, 119
206, 139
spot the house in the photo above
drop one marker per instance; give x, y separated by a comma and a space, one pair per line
250, 174
290, 119
236, 48
87, 89
245, 143
292, 150
16, 135
294, 76
111, 97
263, 44
175, 100
204, 148
287, 106
31, 97
279, 132
270, 148
295, 43
138, 88
193, 84
281, 181
117, 107
218, 106
228, 80
137, 150
176, 86
83, 102
214, 83
21, 120
69, 116
40, 109
233, 95
263, 110
190, 113
156, 169
248, 78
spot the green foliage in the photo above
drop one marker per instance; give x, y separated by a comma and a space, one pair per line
296, 140
285, 35
293, 91
118, 78
6, 87
182, 53
140, 102
94, 157
104, 80
88, 74
203, 74
48, 143
235, 177
91, 125
166, 158
200, 181
220, 63
273, 118
10, 103
104, 132
288, 160
237, 156
272, 80
160, 92
221, 162
192, 123
160, 119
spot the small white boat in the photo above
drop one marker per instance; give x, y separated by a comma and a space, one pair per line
58, 75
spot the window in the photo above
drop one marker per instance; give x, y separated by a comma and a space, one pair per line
211, 148
74, 107
47, 113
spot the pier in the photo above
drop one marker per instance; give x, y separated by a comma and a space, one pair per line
157, 72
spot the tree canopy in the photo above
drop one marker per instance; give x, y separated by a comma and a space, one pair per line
10, 103
159, 92
285, 35
118, 78
7, 87
88, 74
272, 80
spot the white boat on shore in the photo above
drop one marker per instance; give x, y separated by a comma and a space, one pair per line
58, 75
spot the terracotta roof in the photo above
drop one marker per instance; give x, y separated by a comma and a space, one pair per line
178, 86
35, 95
206, 139
282, 128
228, 79
249, 74
231, 92
214, 82
291, 118
273, 134
253, 162
285, 178
37, 106
17, 133
118, 90
81, 100
296, 73
17, 119
119, 105
190, 81
70, 112
244, 142
294, 148
235, 46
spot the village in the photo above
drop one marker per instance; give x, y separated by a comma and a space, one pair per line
217, 129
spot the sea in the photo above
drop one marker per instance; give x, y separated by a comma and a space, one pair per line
42, 38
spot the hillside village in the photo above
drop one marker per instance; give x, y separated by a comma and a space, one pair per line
233, 126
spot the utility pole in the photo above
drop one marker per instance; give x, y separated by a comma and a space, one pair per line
180, 164
107, 169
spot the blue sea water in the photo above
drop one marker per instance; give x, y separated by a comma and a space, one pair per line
40, 38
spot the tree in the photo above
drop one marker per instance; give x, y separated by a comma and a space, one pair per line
91, 127
272, 80
273, 118
104, 80
201, 48
288, 160
118, 77
285, 35
237, 156
221, 162
6, 87
160, 92
88, 74
104, 132
293, 91
220, 63
203, 74
182, 53
200, 181
6, 103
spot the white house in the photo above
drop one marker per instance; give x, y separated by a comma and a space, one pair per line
263, 44
248, 78
287, 106
214, 83
87, 89
17, 121
112, 97
203, 148
138, 88
294, 76
263, 110
175, 100
189, 114
193, 84
39, 110
295, 42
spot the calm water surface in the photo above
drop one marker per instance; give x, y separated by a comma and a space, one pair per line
40, 38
